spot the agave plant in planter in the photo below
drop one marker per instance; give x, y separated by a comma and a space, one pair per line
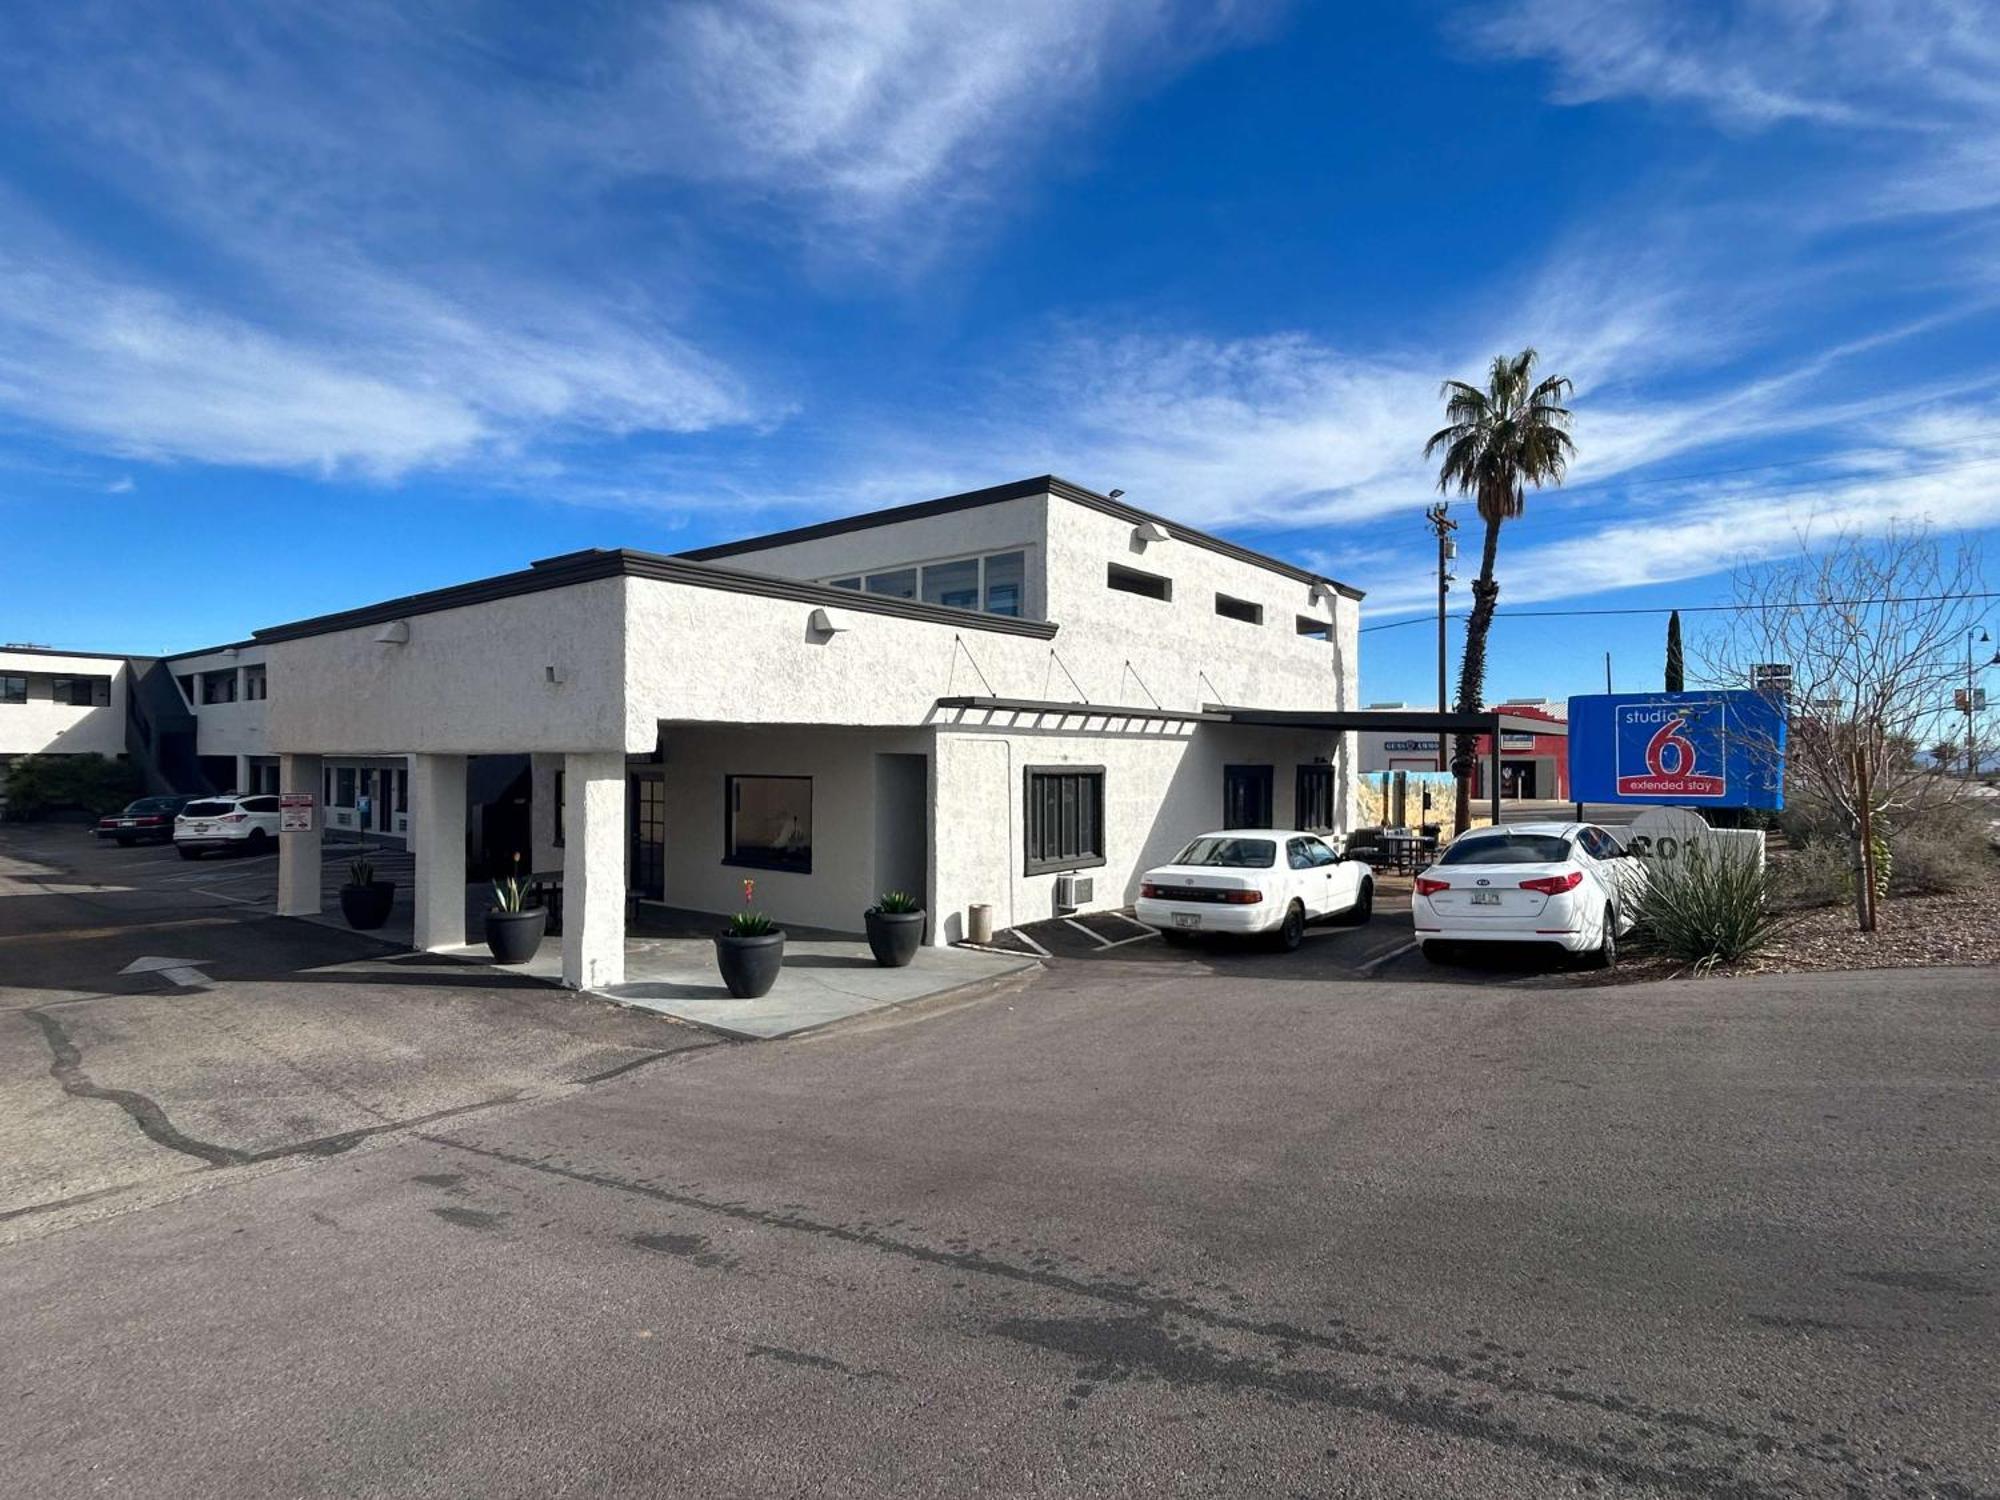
895, 928
750, 950
364, 900
514, 927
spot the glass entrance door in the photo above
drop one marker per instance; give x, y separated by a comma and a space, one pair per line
646, 872
1246, 796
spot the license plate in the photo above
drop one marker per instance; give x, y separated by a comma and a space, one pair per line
125, 823
1485, 898
1187, 919
201, 828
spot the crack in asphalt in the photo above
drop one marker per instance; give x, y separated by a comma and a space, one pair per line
1143, 1342
67, 1070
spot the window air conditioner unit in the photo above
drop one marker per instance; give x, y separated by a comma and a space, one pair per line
1073, 891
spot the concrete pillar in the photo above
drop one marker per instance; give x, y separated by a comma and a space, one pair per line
299, 853
437, 841
593, 938
243, 775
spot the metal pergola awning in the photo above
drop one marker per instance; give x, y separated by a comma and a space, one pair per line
1492, 722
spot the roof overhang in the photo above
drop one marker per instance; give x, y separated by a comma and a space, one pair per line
1486, 721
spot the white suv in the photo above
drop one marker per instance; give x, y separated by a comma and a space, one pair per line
249, 824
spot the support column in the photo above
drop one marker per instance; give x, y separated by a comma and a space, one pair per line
593, 938
243, 785
437, 840
1493, 775
299, 853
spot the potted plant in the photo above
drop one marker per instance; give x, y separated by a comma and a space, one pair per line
514, 928
750, 950
895, 928
364, 900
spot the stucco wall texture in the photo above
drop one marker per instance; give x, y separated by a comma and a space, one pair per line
41, 726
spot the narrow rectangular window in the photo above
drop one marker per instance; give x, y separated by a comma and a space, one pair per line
13, 690
1239, 609
955, 584
558, 840
899, 584
768, 822
1132, 581
1314, 809
1064, 815
1314, 629
343, 786
1246, 796
1005, 574
848, 583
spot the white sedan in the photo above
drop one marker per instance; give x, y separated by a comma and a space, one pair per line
1569, 885
1254, 880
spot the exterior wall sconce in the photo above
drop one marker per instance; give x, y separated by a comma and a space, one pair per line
395, 633
1151, 531
820, 623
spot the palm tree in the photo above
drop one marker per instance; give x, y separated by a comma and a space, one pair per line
1496, 443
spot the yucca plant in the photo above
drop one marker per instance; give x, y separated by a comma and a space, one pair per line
898, 904
1711, 906
510, 892
749, 923
360, 871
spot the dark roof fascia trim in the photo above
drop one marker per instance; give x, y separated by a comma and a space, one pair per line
56, 651
210, 650
589, 567
1020, 489
1073, 710
1484, 722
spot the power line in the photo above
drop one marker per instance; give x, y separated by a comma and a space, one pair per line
1793, 463
1692, 609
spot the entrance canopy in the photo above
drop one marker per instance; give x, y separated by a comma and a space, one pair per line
1491, 722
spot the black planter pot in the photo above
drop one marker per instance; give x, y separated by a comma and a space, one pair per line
895, 936
515, 935
750, 965
367, 907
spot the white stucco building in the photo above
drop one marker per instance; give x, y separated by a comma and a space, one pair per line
1022, 697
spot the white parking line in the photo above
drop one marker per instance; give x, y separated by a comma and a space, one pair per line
1020, 936
1102, 942
1380, 959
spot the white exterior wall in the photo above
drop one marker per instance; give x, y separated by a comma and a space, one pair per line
471, 680
41, 726
1160, 789
237, 728
844, 881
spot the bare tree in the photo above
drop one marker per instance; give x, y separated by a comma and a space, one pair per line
1873, 629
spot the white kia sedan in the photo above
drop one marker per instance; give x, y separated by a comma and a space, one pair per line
1569, 885
1254, 880
246, 824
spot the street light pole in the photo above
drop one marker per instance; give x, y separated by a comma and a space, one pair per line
1971, 745
1442, 527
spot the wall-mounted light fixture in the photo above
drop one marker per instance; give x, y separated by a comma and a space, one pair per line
395, 633
820, 623
1151, 531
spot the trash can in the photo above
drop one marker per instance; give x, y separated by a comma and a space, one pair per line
979, 923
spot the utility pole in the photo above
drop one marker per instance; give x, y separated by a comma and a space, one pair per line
1972, 703
1442, 528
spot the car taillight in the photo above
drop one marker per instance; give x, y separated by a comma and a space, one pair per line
1554, 885
233, 817
1428, 887
151, 820
1242, 898
1156, 892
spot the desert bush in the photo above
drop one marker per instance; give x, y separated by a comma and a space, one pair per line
1711, 906
1814, 874
38, 784
1948, 847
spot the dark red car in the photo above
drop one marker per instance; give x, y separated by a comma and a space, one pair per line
147, 821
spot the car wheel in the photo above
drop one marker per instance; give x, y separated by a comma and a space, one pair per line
1433, 952
1292, 931
189, 853
1363, 908
1606, 955
259, 841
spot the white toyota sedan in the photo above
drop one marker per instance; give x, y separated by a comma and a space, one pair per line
1569, 885
1254, 880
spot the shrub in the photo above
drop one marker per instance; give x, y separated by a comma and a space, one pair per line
43, 783
1708, 907
1815, 874
899, 904
1945, 848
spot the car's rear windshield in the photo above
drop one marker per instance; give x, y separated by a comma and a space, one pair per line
208, 809
1233, 854
1508, 849
154, 805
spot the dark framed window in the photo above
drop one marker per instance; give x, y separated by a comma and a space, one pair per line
1246, 796
256, 687
1133, 581
219, 687
187, 688
1239, 609
402, 791
343, 786
558, 839
1064, 816
1314, 628
767, 822
79, 692
13, 690
1314, 799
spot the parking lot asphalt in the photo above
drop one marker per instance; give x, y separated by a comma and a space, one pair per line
1138, 1227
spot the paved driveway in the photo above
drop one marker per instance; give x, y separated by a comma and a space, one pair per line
1134, 1228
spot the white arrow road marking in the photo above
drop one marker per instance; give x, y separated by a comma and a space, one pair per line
180, 971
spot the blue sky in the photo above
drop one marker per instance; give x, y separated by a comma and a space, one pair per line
302, 306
